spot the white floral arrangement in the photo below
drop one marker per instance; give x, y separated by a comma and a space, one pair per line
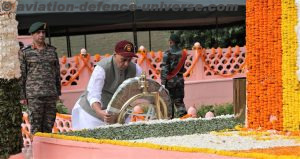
9, 46
231, 140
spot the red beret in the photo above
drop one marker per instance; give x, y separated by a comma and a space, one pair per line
125, 48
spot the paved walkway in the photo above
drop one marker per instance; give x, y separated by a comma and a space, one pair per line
26, 154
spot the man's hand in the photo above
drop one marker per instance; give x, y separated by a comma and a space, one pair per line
110, 118
106, 117
24, 101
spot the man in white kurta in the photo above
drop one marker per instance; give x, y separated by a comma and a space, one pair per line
98, 83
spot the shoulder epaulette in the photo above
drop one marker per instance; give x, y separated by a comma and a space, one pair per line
26, 47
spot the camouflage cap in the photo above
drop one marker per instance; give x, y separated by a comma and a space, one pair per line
37, 26
175, 38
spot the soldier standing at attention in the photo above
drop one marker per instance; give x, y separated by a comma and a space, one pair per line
172, 74
40, 80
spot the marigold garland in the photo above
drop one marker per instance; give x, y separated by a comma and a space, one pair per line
198, 54
97, 57
290, 150
85, 60
228, 55
264, 79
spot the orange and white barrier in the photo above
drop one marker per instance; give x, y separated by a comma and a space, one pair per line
213, 68
62, 124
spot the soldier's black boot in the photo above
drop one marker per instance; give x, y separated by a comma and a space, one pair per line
180, 107
182, 113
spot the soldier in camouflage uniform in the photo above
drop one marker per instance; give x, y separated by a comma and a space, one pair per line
40, 80
172, 74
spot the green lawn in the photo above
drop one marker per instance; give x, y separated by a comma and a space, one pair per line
104, 43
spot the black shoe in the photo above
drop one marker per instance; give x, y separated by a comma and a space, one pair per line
182, 113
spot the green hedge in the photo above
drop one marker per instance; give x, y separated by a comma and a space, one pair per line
144, 130
61, 108
10, 118
217, 109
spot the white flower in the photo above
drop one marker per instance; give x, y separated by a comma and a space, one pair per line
219, 142
142, 48
9, 47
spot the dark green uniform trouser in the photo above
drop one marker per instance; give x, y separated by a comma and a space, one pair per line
42, 113
176, 92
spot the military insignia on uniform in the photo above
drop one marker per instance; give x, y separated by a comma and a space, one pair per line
128, 48
45, 26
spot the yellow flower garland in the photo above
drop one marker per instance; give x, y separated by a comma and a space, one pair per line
291, 88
